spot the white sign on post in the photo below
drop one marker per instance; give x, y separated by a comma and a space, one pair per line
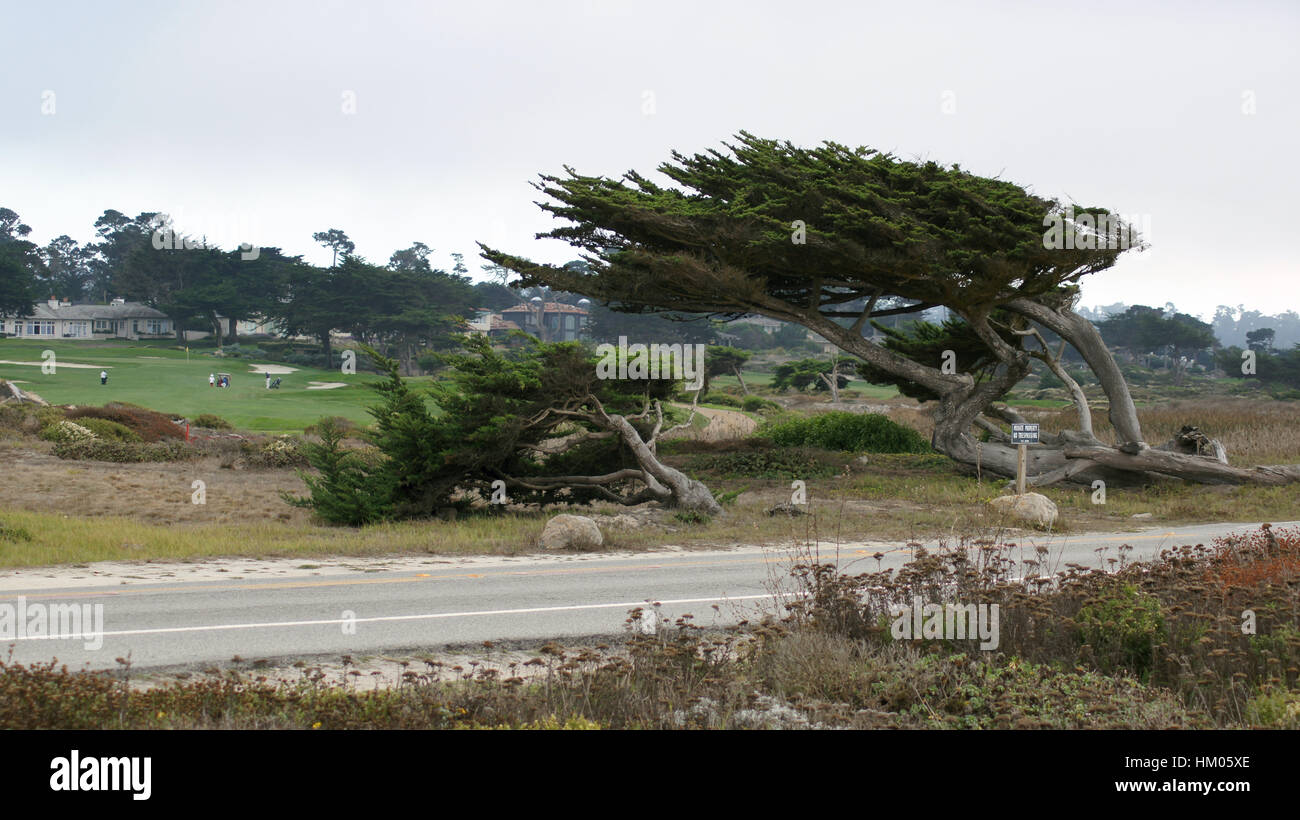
1023, 435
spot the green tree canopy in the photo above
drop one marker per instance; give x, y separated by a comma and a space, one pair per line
807, 235
20, 265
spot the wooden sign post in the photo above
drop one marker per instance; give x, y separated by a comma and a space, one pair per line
1023, 435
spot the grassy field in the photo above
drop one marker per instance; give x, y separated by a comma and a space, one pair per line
159, 376
87, 511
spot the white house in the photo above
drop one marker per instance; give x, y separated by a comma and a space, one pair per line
60, 319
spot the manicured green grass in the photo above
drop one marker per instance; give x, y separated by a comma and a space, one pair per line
157, 375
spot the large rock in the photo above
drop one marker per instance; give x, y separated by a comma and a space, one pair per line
571, 532
1032, 508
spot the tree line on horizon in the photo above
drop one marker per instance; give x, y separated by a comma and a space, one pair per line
408, 308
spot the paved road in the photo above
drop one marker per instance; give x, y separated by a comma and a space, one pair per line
424, 606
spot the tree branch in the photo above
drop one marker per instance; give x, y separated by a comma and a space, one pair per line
861, 321
1080, 400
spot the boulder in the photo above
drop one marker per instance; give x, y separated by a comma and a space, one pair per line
1032, 508
625, 521
575, 532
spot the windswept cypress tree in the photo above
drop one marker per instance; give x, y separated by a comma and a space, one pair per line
797, 234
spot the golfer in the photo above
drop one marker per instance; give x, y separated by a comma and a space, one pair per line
212, 380
103, 377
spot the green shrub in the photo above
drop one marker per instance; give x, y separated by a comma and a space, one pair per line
109, 430
1274, 708
846, 432
790, 463
1121, 624
721, 399
211, 422
728, 497
124, 452
758, 404
50, 415
17, 417
282, 451
67, 431
8, 533
28, 419
345, 491
346, 426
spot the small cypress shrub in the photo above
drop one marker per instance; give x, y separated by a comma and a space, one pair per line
345, 491
211, 421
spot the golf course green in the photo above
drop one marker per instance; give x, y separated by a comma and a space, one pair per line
164, 377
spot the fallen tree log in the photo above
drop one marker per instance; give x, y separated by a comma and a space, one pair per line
1201, 469
11, 392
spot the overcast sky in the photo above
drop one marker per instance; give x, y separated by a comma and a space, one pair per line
233, 118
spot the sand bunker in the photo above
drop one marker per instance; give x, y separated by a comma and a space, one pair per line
277, 369
58, 363
325, 385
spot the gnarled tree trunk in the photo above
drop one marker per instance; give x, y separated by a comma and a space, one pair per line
1076, 456
662, 483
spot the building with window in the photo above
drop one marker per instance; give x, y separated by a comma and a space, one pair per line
549, 321
60, 319
487, 323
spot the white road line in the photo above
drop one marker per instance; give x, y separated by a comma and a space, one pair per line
430, 616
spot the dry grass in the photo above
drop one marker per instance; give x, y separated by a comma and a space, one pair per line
157, 493
1253, 431
80, 511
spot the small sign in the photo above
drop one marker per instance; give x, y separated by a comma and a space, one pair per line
1024, 434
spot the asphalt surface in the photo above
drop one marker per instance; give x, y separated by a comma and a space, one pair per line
198, 623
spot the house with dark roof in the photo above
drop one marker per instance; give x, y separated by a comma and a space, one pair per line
548, 321
60, 319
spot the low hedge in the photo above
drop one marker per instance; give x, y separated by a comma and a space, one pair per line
211, 421
758, 404
66, 432
109, 430
124, 452
846, 432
